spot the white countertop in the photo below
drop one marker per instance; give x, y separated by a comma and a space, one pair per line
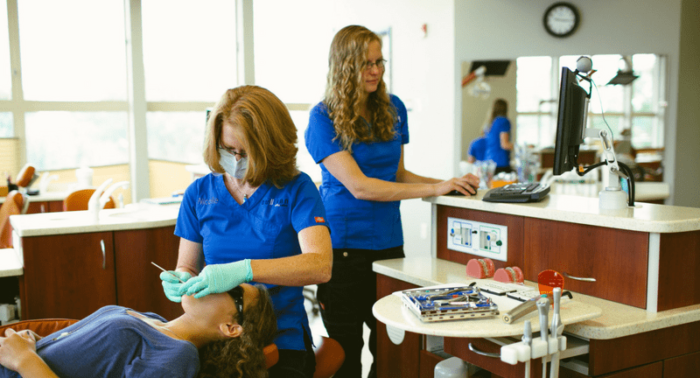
391, 311
644, 191
617, 320
44, 197
643, 217
135, 216
10, 264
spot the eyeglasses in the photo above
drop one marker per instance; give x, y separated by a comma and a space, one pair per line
237, 294
379, 63
232, 151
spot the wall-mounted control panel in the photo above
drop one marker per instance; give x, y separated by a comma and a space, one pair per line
478, 238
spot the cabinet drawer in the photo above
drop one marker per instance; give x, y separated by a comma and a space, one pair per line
617, 259
459, 347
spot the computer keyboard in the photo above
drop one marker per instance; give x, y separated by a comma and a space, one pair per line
518, 193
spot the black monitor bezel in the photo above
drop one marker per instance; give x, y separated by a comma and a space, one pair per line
571, 122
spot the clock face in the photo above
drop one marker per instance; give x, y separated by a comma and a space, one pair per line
561, 19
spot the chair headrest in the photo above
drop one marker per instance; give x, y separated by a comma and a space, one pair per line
25, 176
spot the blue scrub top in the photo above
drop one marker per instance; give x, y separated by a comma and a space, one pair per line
477, 148
266, 226
359, 223
493, 142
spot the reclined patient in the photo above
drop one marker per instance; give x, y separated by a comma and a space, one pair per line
218, 335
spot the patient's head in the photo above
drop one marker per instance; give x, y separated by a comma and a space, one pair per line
238, 352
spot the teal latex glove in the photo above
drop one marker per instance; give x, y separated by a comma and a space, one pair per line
219, 278
172, 287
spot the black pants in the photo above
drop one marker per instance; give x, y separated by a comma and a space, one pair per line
347, 303
295, 363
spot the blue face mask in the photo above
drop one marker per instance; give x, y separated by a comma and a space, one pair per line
235, 168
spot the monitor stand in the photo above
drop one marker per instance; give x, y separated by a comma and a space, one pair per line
612, 197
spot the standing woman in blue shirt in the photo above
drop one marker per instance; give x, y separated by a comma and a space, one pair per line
498, 143
255, 218
357, 135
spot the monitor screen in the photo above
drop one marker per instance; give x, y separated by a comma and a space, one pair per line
571, 122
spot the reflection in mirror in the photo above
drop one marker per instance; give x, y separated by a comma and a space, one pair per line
634, 112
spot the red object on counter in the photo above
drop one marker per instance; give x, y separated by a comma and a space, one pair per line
480, 268
509, 275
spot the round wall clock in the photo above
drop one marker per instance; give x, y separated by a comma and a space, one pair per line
561, 19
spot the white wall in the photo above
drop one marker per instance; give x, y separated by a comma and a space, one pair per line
422, 76
507, 29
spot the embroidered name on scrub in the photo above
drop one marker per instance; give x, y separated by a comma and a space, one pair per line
281, 202
212, 201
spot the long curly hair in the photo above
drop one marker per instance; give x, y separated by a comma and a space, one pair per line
345, 91
243, 356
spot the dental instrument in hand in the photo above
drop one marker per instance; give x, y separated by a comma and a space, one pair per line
556, 331
543, 308
170, 273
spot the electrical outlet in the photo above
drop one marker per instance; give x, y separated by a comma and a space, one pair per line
478, 238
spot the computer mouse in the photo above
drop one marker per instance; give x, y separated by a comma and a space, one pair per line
458, 193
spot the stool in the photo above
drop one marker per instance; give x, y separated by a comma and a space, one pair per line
452, 367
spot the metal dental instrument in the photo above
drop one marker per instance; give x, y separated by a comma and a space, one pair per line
527, 340
543, 308
519, 311
178, 278
557, 330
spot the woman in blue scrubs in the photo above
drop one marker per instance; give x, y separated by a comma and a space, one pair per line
498, 144
357, 135
255, 218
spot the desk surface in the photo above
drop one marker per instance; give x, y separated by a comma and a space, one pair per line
48, 196
10, 264
578, 209
617, 320
391, 311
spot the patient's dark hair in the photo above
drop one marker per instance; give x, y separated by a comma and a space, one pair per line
243, 356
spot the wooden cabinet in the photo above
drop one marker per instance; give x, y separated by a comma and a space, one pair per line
590, 252
67, 276
138, 283
71, 276
393, 360
44, 206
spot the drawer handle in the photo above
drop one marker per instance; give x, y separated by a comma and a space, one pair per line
104, 258
579, 278
473, 349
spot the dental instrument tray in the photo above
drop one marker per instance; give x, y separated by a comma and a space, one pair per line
448, 303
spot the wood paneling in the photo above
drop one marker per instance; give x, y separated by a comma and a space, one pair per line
679, 264
616, 258
515, 235
396, 360
63, 281
625, 352
684, 366
459, 347
427, 363
654, 370
138, 284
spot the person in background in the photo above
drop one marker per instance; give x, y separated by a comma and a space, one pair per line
357, 135
255, 218
498, 143
221, 335
477, 149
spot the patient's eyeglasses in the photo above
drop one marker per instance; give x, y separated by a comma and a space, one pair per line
237, 294
379, 63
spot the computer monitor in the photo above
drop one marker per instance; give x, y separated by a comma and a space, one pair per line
571, 122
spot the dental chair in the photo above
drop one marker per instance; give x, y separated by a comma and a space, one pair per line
329, 354
15, 204
78, 200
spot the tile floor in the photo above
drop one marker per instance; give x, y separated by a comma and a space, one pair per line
318, 330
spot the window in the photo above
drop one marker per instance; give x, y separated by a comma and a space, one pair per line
186, 68
637, 106
6, 130
5, 70
72, 50
56, 140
